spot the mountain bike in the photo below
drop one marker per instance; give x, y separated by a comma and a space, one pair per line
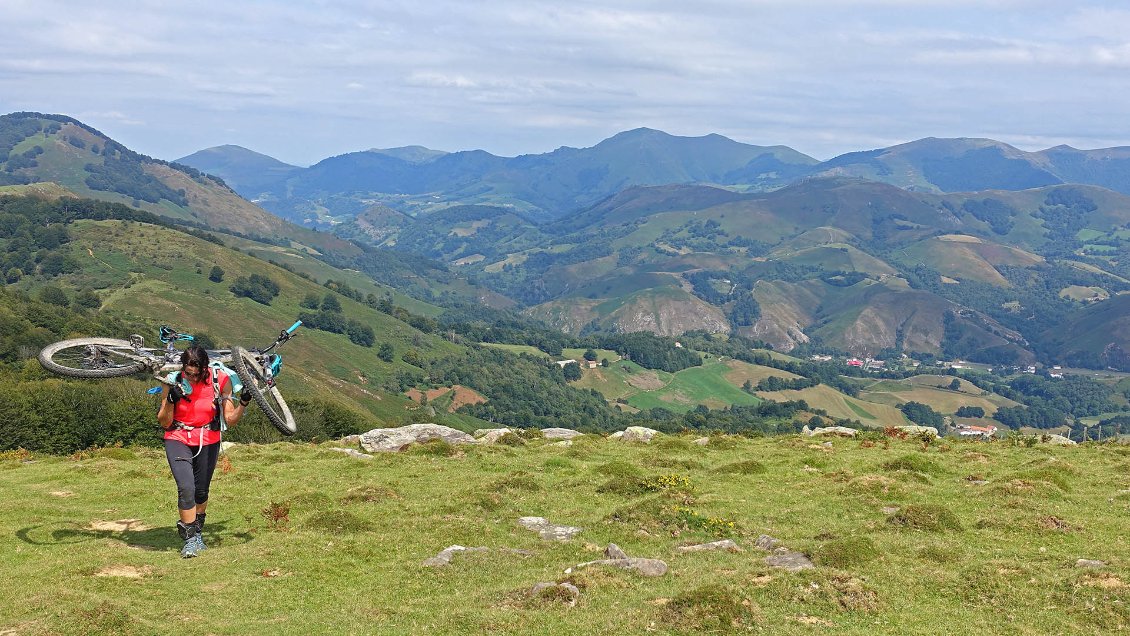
112, 357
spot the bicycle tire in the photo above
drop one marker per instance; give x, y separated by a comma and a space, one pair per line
268, 398
92, 358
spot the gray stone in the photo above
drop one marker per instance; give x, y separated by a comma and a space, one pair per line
1090, 563
725, 544
352, 452
638, 434
643, 567
391, 440
1057, 440
613, 551
767, 543
572, 592
560, 433
918, 430
702, 441
226, 446
547, 530
839, 431
617, 435
491, 436
480, 432
350, 440
789, 560
448, 553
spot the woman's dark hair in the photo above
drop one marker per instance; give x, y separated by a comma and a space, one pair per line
196, 355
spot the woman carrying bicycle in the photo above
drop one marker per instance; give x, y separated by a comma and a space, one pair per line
190, 414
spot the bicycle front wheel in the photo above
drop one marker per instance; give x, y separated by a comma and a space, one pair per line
92, 358
266, 395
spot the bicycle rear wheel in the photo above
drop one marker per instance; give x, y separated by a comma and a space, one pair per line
92, 358
266, 395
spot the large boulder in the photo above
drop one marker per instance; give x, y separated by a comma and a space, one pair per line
638, 434
839, 431
559, 433
391, 440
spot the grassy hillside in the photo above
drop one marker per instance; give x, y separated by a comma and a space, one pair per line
158, 275
933, 391
954, 537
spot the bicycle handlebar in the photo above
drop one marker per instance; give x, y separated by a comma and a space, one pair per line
296, 325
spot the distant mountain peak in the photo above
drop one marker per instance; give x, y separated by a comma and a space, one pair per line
411, 154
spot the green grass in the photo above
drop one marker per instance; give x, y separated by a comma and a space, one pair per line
304, 540
688, 388
859, 410
513, 348
153, 272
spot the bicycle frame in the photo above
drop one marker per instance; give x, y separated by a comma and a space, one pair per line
168, 358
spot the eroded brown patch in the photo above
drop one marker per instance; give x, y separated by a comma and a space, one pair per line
813, 620
1052, 522
460, 396
125, 571
1106, 581
61, 493
646, 380
121, 525
464, 396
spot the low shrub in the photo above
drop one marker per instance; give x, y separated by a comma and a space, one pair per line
619, 469
434, 448
912, 463
710, 609
845, 553
747, 467
931, 517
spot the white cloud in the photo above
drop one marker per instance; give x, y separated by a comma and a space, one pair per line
824, 76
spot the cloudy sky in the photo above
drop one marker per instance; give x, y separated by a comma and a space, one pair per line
302, 81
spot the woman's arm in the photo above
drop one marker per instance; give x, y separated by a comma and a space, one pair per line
165, 415
233, 409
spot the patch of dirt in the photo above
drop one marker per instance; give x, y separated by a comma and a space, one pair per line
1053, 522
121, 525
1106, 581
125, 571
646, 380
463, 396
813, 620
61, 493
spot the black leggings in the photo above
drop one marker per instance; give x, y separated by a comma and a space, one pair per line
192, 474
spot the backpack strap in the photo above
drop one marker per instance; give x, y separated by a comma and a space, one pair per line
218, 423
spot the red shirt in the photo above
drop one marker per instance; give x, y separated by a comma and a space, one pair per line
198, 413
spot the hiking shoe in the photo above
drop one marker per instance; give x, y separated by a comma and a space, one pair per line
199, 538
191, 548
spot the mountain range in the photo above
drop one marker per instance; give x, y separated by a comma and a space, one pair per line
959, 247
556, 184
